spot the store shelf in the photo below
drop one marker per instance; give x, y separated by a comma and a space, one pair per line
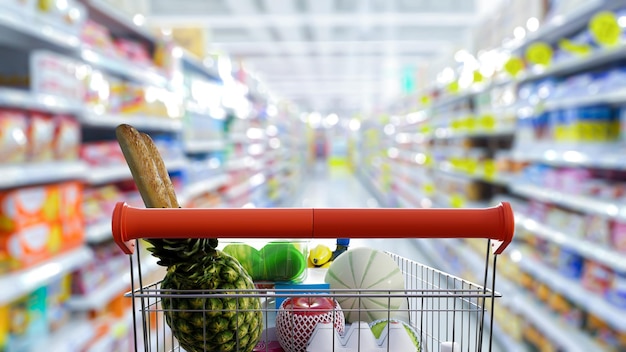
602, 156
16, 284
240, 163
414, 196
563, 25
574, 291
18, 175
613, 97
204, 146
33, 32
99, 232
585, 248
576, 202
107, 174
116, 19
111, 289
125, 68
192, 63
198, 188
74, 336
576, 64
236, 191
567, 337
502, 180
449, 133
139, 121
477, 266
24, 99
112, 173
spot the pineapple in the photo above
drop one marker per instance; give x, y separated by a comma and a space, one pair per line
198, 321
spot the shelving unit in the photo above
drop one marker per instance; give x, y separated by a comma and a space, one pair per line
432, 140
36, 101
204, 146
586, 248
516, 299
19, 31
19, 283
19, 175
573, 201
74, 336
574, 291
125, 68
110, 290
97, 125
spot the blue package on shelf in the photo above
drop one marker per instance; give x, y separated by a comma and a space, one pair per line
570, 263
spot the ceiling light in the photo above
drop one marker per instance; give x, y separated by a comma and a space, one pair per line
139, 19
460, 55
532, 24
354, 125
389, 129
519, 33
332, 119
177, 52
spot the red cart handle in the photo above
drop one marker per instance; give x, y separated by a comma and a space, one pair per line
129, 223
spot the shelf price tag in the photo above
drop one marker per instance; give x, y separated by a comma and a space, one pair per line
470, 166
487, 122
470, 123
428, 188
453, 87
574, 48
457, 201
489, 167
426, 129
605, 29
539, 53
478, 77
514, 65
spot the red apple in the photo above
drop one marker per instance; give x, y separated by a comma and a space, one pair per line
310, 305
297, 317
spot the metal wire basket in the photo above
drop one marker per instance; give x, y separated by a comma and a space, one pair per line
435, 311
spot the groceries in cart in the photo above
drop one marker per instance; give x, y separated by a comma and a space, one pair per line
271, 261
372, 301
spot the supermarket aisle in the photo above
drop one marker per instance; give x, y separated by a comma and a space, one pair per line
335, 187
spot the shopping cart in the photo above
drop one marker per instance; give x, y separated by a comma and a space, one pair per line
444, 312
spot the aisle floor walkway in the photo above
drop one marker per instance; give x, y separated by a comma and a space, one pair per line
336, 187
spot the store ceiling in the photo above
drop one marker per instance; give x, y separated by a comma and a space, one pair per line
340, 56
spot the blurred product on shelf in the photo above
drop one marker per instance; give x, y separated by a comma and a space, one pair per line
102, 153
36, 137
108, 153
107, 266
27, 321
39, 222
42, 71
99, 201
96, 36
